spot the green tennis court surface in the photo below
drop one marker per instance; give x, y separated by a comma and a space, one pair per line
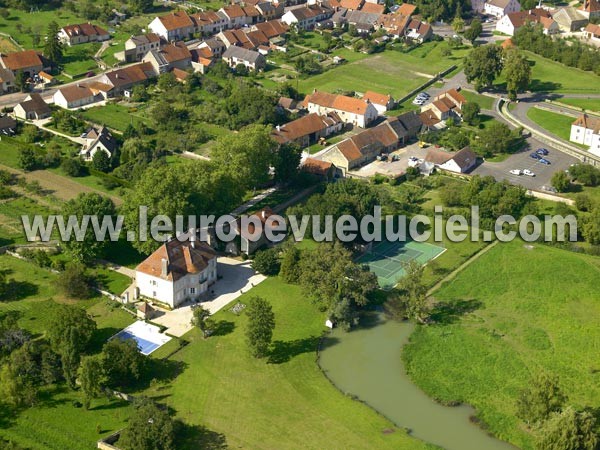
385, 259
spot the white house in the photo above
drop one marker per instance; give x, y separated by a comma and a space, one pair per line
510, 23
586, 131
136, 47
173, 27
249, 58
381, 102
460, 162
499, 8
32, 108
74, 96
82, 33
305, 18
357, 112
97, 139
179, 270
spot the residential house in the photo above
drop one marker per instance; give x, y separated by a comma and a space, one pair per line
7, 81
98, 139
510, 23
208, 23
74, 96
406, 126
46, 78
586, 131
592, 31
216, 46
405, 9
29, 62
249, 58
249, 243
250, 40
174, 26
136, 47
570, 19
8, 125
324, 170
179, 270
462, 161
444, 106
82, 33
394, 24
351, 110
168, 57
123, 80
239, 16
418, 31
363, 21
372, 8
202, 59
271, 29
309, 129
269, 10
306, 17
590, 9
180, 75
362, 148
288, 104
381, 102
500, 8
32, 108
352, 5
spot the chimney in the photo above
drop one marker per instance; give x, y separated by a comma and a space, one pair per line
164, 266
278, 128
193, 238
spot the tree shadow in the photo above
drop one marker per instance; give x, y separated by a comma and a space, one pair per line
451, 311
543, 86
192, 437
223, 327
18, 290
163, 370
284, 351
112, 404
328, 341
100, 337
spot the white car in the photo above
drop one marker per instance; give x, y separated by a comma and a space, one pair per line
413, 161
516, 172
418, 102
529, 173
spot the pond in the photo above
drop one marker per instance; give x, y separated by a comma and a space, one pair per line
367, 363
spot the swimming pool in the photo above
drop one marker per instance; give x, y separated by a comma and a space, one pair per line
147, 337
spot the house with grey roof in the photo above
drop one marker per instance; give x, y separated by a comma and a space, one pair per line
249, 58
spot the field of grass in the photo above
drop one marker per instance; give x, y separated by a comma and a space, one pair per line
589, 104
282, 403
483, 101
505, 318
391, 72
552, 76
77, 60
114, 116
7, 46
556, 123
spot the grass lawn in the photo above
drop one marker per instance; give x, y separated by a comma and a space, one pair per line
558, 124
589, 104
483, 101
552, 76
78, 59
518, 318
7, 46
114, 116
284, 403
391, 72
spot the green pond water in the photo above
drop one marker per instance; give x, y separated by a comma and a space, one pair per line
366, 362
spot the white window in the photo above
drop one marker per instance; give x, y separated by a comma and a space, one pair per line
154, 294
192, 291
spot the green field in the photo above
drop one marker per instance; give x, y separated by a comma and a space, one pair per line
390, 72
483, 101
556, 123
114, 116
505, 317
589, 104
284, 403
78, 59
552, 76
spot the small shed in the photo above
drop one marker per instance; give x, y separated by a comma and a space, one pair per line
329, 324
145, 311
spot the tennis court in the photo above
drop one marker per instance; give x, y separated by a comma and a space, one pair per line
147, 337
386, 259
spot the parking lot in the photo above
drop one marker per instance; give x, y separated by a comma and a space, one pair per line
522, 160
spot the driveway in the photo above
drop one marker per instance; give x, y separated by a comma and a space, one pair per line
235, 278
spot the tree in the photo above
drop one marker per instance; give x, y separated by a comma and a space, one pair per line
101, 161
290, 265
28, 159
53, 49
21, 81
92, 378
69, 332
483, 65
286, 162
74, 282
72, 167
92, 205
166, 81
471, 112
410, 302
247, 154
496, 138
242, 70
200, 319
474, 31
569, 430
139, 93
561, 181
141, 6
261, 323
458, 24
517, 72
591, 227
149, 428
540, 398
267, 261
122, 362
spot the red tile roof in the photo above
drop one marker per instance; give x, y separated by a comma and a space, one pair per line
338, 102
316, 166
176, 20
22, 60
378, 99
84, 29
304, 126
373, 8
589, 122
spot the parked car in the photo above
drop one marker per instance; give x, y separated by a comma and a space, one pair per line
542, 151
516, 172
534, 155
394, 158
419, 101
413, 161
528, 172
424, 94
549, 189
544, 161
